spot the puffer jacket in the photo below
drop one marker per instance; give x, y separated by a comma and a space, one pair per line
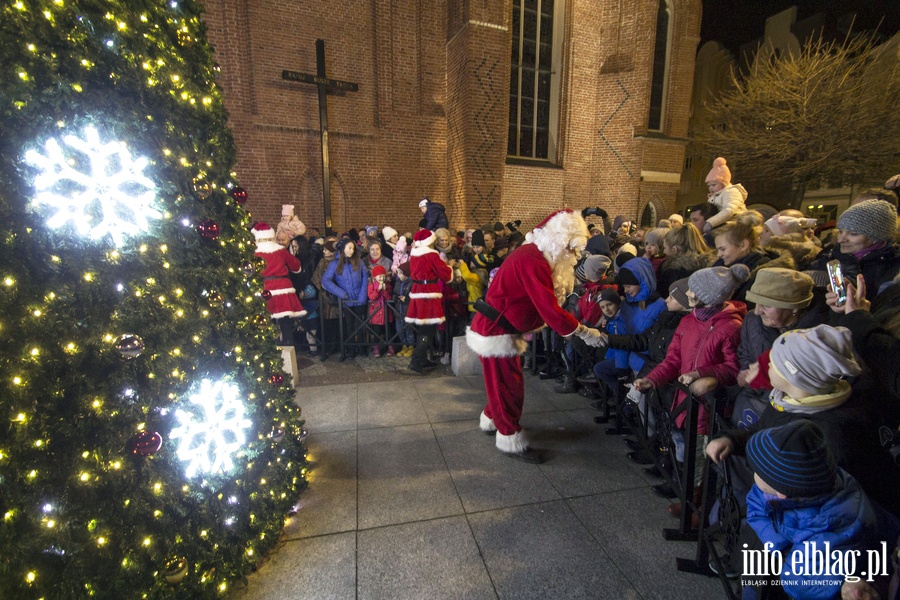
653, 343
474, 285
731, 201
708, 347
640, 311
844, 519
680, 266
350, 285
436, 216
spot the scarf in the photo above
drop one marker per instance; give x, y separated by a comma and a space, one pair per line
812, 404
705, 313
858, 255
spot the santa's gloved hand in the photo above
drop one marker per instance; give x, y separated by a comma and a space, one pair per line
591, 336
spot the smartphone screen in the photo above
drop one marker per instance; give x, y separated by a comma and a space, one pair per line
837, 281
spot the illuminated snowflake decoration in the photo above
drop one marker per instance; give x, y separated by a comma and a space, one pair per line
213, 431
95, 186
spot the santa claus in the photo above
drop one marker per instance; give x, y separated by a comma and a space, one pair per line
283, 303
526, 293
426, 306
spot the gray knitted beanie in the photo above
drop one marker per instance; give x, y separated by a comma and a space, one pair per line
715, 285
875, 219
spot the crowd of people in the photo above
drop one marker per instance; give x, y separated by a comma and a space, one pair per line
793, 323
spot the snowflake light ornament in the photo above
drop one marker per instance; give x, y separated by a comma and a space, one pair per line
95, 186
214, 431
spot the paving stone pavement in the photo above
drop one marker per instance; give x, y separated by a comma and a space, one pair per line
407, 498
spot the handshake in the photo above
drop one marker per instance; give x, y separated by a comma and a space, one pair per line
592, 337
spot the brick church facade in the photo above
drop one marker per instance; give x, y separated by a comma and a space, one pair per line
431, 117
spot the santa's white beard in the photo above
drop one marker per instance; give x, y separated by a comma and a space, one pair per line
564, 276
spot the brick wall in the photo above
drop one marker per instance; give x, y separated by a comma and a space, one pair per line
430, 116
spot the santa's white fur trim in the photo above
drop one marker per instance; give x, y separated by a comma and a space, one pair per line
563, 232
283, 291
289, 313
268, 247
427, 295
515, 443
496, 346
422, 250
435, 321
486, 423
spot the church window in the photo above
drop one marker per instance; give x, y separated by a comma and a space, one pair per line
661, 52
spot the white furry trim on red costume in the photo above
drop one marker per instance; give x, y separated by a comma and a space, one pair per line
496, 346
434, 321
289, 313
515, 443
268, 247
421, 250
486, 423
283, 291
427, 295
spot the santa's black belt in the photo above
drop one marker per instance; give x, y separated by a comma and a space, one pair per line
494, 315
425, 281
276, 277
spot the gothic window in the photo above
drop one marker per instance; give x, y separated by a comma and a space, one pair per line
660, 65
534, 79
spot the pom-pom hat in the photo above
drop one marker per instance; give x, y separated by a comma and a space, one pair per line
389, 232
719, 173
715, 285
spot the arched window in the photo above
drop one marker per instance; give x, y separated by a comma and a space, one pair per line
648, 217
664, 22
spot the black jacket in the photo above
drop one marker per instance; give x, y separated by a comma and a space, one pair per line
436, 216
878, 267
653, 342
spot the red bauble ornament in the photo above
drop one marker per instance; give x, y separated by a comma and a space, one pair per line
266, 294
276, 379
208, 229
240, 195
145, 443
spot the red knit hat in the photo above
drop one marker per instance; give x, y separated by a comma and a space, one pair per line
378, 270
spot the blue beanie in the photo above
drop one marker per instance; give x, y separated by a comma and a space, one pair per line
794, 459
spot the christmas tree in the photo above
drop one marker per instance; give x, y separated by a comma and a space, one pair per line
150, 446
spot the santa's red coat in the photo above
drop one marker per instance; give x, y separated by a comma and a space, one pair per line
426, 306
279, 262
522, 290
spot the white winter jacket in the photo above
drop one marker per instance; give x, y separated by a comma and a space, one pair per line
730, 202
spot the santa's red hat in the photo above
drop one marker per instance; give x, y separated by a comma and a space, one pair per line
423, 238
558, 232
261, 231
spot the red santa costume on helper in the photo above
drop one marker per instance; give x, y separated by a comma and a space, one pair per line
426, 306
526, 293
283, 303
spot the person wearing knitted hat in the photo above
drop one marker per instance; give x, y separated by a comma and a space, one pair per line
675, 220
435, 214
283, 304
641, 308
803, 503
865, 245
730, 199
703, 352
653, 247
784, 301
526, 293
480, 258
426, 308
290, 224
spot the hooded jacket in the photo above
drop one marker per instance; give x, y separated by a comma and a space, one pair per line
708, 347
640, 311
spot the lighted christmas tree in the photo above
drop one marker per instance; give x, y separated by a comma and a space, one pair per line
150, 446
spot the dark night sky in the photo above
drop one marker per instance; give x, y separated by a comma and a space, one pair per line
736, 22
